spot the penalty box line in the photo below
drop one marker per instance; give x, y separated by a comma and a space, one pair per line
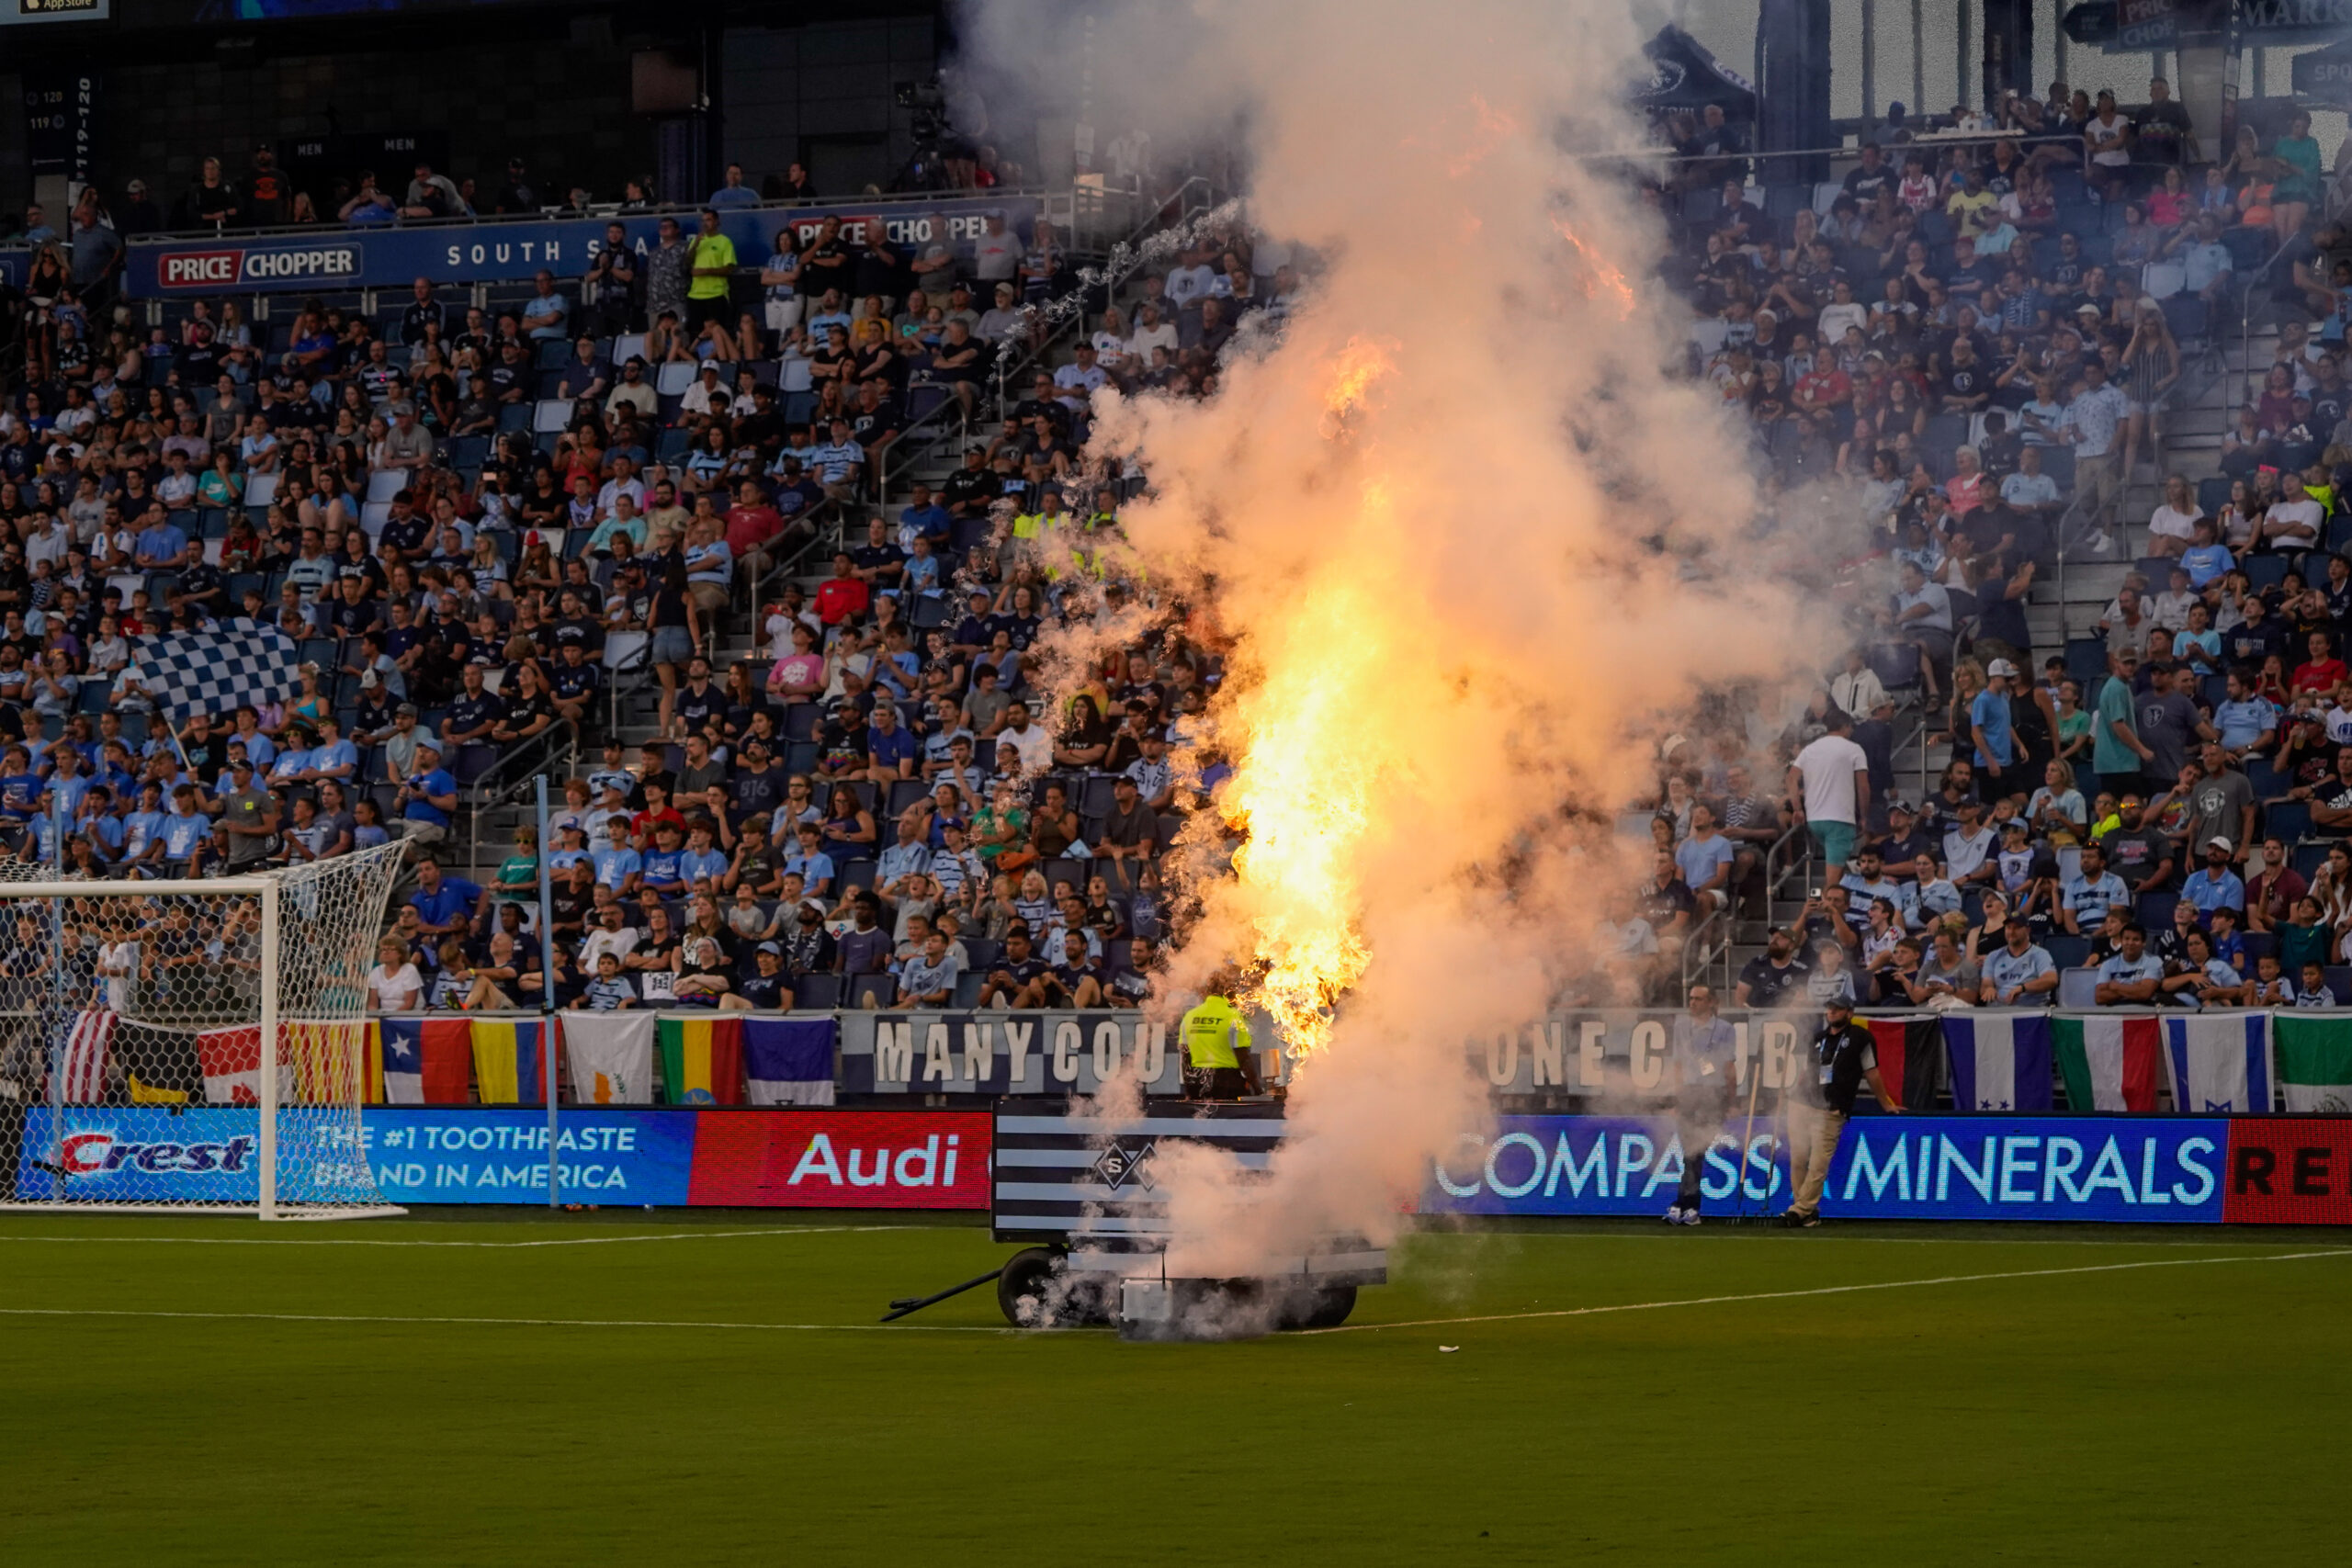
1834, 1290
363, 1241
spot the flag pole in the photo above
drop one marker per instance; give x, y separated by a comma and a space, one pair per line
60, 1022
547, 995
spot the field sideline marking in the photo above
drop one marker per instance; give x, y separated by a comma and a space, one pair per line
359, 1241
1832, 1291
517, 1322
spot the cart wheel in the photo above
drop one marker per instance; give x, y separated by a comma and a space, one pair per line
1332, 1306
1021, 1288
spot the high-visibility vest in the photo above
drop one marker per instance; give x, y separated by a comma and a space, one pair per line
1211, 1032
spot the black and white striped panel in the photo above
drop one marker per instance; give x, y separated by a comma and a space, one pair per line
1059, 1178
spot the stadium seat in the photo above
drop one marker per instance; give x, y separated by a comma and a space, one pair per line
817, 991
869, 991
674, 377
550, 414
2264, 570
2077, 988
2155, 909
261, 489
385, 484
2085, 659
2161, 280
2213, 493
2287, 819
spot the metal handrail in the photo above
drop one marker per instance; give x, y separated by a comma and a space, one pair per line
602, 209
1123, 259
2247, 294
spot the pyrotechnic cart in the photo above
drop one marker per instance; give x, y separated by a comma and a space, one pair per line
1079, 1192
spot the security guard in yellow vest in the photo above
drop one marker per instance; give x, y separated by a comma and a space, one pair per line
1217, 1055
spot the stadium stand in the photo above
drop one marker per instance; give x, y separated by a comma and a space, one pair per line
755, 576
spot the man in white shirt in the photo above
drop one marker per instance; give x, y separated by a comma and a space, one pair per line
2293, 523
1968, 849
1831, 781
1194, 279
996, 252
1032, 749
1153, 329
623, 482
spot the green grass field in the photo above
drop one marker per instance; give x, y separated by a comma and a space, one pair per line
642, 1388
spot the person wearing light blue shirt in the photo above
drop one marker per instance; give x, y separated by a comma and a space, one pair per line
617, 865
2087, 896
2206, 560
2247, 721
734, 192
1988, 716
2019, 974
2216, 887
2131, 974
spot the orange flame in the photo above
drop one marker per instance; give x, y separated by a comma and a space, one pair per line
1601, 273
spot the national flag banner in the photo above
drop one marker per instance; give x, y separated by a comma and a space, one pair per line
160, 1066
611, 1055
702, 1059
1910, 1056
789, 1061
2109, 1063
510, 1064
89, 1044
216, 673
426, 1060
2000, 1061
2313, 1051
371, 1086
231, 1059
325, 1061
2219, 1063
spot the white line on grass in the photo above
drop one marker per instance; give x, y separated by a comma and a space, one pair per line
512, 1322
1774, 1235
362, 1241
1832, 1291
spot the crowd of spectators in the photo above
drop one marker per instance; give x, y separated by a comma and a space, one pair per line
1980, 334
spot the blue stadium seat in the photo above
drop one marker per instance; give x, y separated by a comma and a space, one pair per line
2287, 819
969, 986
2187, 316
2262, 571
2066, 952
2155, 909
817, 991
2077, 988
2213, 493
869, 990
2058, 462
2085, 659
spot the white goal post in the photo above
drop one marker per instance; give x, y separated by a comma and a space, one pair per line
191, 1045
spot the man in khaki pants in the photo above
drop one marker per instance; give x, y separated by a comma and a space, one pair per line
1844, 1058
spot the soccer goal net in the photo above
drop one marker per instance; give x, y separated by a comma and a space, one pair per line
199, 1044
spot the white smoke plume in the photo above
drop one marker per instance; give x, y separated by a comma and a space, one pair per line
1475, 545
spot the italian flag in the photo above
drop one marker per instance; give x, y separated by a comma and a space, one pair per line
2109, 1064
2314, 1057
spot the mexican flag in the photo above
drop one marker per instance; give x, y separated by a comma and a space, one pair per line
2109, 1064
2314, 1054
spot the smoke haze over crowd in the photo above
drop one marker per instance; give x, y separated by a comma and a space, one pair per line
1478, 544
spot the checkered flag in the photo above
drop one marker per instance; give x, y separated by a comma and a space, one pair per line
212, 672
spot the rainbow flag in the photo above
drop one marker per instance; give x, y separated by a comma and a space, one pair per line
509, 1062
702, 1060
